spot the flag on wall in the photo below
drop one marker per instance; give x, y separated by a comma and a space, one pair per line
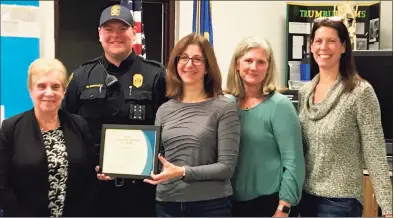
135, 7
202, 19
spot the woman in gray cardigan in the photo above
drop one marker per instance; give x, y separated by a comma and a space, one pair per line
200, 135
341, 125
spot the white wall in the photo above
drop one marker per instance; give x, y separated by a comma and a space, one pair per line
386, 26
47, 29
233, 20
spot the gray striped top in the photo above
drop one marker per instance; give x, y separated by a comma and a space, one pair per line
203, 137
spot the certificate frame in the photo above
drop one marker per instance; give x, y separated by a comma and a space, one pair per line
113, 160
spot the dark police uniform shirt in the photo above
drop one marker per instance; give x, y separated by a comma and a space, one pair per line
133, 100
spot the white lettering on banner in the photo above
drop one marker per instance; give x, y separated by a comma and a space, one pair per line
20, 21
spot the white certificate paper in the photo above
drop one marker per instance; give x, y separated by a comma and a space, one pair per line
125, 151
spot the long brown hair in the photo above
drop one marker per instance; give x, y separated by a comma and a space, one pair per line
213, 78
347, 67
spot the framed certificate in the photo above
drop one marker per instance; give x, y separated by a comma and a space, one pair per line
129, 151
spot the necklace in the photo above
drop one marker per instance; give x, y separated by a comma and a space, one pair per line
47, 127
196, 100
249, 103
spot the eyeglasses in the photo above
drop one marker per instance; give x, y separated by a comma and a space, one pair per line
336, 19
196, 60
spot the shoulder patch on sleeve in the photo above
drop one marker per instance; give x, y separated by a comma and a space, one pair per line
70, 78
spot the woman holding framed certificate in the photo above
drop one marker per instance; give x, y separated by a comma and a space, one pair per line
200, 133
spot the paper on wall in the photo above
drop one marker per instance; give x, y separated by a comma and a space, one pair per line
20, 21
360, 28
294, 69
298, 41
299, 27
297, 52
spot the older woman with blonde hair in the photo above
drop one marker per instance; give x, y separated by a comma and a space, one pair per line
270, 172
46, 154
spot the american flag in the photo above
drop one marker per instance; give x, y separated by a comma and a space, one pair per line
135, 7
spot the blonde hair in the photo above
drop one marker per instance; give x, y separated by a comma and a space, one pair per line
234, 82
43, 66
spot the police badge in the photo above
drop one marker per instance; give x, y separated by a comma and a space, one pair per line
137, 80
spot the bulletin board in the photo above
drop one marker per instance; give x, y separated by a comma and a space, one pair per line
299, 21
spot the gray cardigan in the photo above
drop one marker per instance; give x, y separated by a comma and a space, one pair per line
203, 137
342, 134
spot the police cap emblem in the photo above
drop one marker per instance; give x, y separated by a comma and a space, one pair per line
115, 10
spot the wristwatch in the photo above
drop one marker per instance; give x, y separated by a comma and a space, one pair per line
284, 209
184, 173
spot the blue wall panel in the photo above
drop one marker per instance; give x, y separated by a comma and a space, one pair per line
21, 3
16, 55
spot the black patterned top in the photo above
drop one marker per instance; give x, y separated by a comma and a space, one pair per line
58, 169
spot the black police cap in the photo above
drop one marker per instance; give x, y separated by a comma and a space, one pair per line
117, 12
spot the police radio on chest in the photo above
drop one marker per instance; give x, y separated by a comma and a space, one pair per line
109, 79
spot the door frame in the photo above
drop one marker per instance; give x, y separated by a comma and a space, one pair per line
168, 28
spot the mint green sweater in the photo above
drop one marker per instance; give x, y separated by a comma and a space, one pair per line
271, 155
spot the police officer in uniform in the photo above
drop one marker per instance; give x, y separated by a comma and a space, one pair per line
118, 87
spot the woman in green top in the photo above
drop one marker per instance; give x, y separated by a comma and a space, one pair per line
270, 172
